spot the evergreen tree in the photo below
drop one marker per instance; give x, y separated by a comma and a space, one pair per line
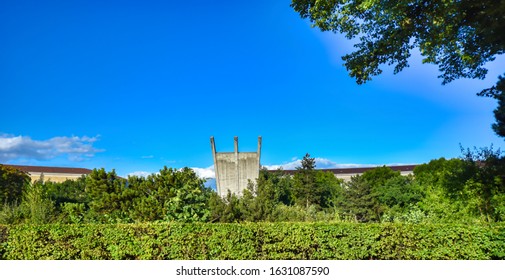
304, 180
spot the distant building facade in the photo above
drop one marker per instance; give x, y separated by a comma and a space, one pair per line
53, 174
347, 173
234, 169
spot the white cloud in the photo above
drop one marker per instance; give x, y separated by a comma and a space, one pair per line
205, 173
23, 147
140, 173
285, 166
147, 157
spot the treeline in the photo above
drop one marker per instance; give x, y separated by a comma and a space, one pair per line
469, 189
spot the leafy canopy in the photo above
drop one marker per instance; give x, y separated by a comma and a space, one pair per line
12, 184
458, 36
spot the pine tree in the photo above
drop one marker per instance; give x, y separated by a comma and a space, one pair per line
304, 182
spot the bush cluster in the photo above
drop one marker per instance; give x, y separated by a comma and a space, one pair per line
253, 241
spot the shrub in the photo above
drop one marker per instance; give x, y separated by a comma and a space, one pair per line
253, 241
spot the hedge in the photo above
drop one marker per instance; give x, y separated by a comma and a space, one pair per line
252, 241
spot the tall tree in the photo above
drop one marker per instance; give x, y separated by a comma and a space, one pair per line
106, 193
304, 182
359, 202
458, 36
313, 187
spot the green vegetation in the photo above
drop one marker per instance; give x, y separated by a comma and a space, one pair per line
470, 189
259, 241
449, 209
460, 37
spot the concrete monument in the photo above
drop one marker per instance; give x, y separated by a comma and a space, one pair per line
234, 169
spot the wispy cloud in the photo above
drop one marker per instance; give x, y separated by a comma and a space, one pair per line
140, 173
147, 157
24, 147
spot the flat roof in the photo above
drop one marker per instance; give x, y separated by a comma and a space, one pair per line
50, 169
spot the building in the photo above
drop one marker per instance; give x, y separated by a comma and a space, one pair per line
234, 169
53, 174
347, 173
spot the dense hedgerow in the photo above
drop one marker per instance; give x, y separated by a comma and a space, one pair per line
251, 241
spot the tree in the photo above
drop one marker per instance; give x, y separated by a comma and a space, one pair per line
12, 184
378, 176
458, 36
171, 194
487, 183
304, 182
107, 197
261, 198
358, 200
188, 197
469, 188
225, 210
498, 93
399, 197
363, 193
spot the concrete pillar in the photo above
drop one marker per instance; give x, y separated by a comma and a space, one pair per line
259, 152
237, 169
213, 147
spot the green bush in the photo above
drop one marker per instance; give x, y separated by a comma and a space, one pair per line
3, 240
253, 241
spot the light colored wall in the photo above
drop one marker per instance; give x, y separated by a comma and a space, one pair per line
233, 175
54, 177
347, 177
248, 169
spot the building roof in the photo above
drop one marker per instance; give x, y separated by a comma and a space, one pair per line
49, 169
356, 170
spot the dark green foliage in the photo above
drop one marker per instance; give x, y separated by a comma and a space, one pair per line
460, 37
174, 195
499, 112
398, 198
69, 191
314, 187
12, 184
253, 241
188, 198
359, 202
4, 236
466, 190
227, 209
108, 200
305, 190
399, 191
379, 176
365, 194
260, 199
329, 189
148, 197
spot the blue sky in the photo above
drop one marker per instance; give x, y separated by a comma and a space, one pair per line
137, 85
